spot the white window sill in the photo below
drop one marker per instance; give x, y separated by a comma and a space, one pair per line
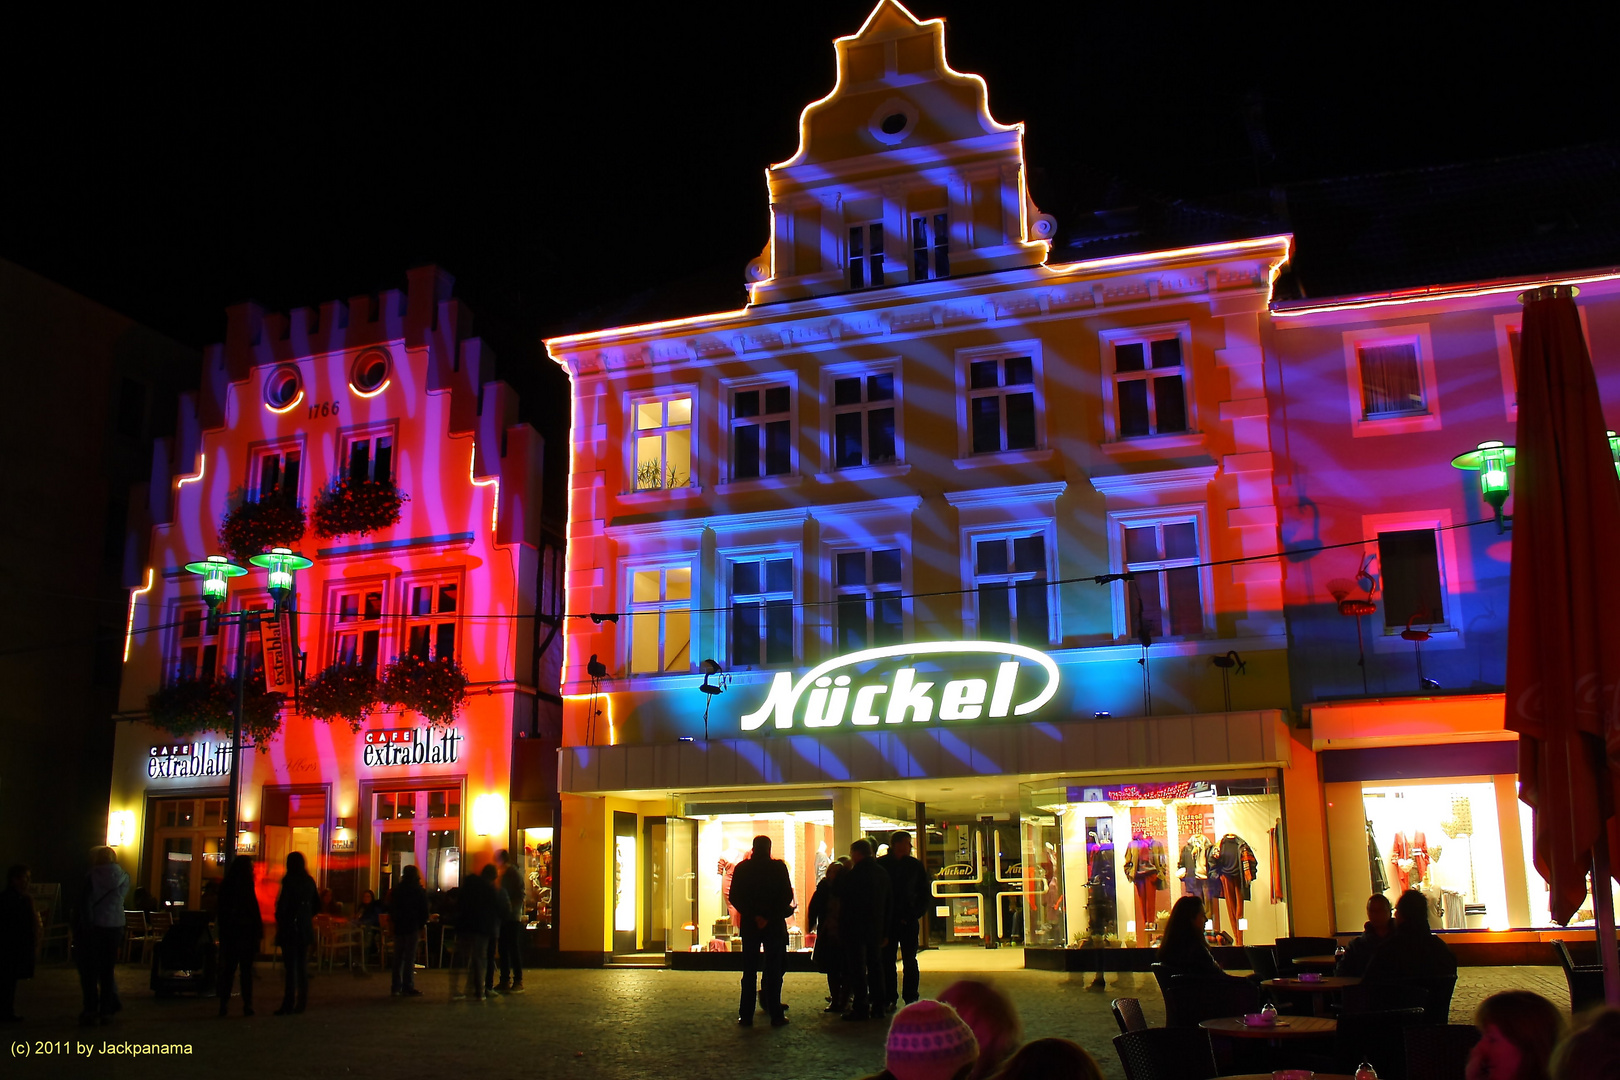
1401, 424
761, 483
660, 495
1005, 457
1143, 446
864, 472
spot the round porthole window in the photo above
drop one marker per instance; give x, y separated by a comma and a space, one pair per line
284, 388
370, 372
893, 121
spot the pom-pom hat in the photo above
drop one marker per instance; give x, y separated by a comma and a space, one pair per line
928, 1041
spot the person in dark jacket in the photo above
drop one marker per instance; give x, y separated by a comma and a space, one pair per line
476, 920
1413, 951
19, 939
1183, 950
908, 885
501, 906
762, 893
295, 931
98, 931
822, 919
511, 885
1380, 924
863, 925
408, 910
240, 924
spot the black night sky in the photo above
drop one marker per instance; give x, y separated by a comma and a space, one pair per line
560, 158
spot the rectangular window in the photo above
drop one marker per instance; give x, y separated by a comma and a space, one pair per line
1164, 596
357, 633
278, 473
198, 650
369, 457
866, 255
1001, 404
761, 432
869, 610
255, 638
761, 611
663, 443
1391, 380
660, 620
430, 618
1010, 575
930, 246
1150, 393
863, 420
1409, 565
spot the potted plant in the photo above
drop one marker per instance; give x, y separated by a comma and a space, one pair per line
341, 692
252, 528
188, 707
434, 689
348, 507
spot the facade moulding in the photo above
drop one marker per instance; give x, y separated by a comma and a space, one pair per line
1142, 483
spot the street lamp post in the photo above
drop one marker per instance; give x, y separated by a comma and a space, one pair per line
1491, 460
216, 572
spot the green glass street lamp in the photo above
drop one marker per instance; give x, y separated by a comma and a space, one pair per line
216, 572
282, 564
1614, 450
1492, 460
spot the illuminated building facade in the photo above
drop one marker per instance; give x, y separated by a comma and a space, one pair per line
384, 388
957, 532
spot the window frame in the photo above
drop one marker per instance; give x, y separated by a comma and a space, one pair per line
278, 448
829, 447
965, 358
406, 620
629, 567
831, 550
205, 638
865, 225
1119, 593
346, 439
930, 251
1449, 634
1416, 334
972, 535
729, 388
1109, 342
663, 395
726, 599
336, 627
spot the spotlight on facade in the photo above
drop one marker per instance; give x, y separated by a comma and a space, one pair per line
489, 814
1492, 460
1102, 714
710, 667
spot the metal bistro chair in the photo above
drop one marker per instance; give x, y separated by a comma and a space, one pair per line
1128, 1015
1585, 980
1166, 1054
1439, 1052
331, 935
47, 897
137, 932
1191, 999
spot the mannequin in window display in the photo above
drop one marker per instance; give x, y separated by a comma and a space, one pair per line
1193, 867
1232, 866
1100, 913
1145, 867
1409, 860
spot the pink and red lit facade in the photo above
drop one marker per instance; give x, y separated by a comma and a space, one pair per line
384, 386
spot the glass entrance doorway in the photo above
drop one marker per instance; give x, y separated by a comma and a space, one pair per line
978, 882
188, 852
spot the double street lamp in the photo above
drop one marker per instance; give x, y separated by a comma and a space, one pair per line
216, 572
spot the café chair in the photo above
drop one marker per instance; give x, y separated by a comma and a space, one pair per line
1585, 980
1128, 1015
1166, 1054
1439, 1051
1191, 999
1378, 1038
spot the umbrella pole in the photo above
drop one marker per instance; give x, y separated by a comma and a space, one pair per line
1603, 908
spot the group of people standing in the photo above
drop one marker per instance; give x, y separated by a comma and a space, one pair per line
866, 912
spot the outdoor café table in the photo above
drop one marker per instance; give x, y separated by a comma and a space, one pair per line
1316, 963
1317, 988
1287, 1027
1269, 1076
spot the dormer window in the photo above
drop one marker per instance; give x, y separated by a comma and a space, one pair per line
930, 246
866, 255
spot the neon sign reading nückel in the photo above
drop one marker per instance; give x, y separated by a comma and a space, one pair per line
827, 696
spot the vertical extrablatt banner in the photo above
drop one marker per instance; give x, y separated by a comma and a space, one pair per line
278, 665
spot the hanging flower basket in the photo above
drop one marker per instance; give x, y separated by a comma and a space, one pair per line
357, 507
189, 707
255, 527
434, 689
341, 692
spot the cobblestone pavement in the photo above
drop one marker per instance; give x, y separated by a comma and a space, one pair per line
600, 1025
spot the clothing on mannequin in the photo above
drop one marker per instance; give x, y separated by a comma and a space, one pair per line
1409, 859
1146, 866
1375, 861
1234, 866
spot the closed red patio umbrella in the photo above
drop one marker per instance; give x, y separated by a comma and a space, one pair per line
1563, 665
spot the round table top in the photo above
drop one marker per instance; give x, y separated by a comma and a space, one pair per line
1315, 986
1269, 1076
1315, 961
1288, 1027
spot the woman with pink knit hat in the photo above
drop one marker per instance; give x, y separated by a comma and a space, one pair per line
929, 1041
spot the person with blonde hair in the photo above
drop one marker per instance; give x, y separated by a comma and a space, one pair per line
1592, 1050
98, 930
994, 1021
1518, 1030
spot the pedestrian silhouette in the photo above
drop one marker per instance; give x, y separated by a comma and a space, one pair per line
241, 931
295, 931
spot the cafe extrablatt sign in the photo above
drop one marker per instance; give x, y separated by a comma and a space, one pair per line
834, 690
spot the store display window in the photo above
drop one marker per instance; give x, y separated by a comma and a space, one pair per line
537, 887
1103, 862
188, 860
417, 828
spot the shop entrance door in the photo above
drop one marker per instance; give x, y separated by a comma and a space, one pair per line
654, 876
625, 894
188, 851
681, 861
979, 884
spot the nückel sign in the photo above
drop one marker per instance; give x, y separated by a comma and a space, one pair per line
834, 691
182, 761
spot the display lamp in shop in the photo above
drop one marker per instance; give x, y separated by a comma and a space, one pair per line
216, 572
1491, 459
282, 564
